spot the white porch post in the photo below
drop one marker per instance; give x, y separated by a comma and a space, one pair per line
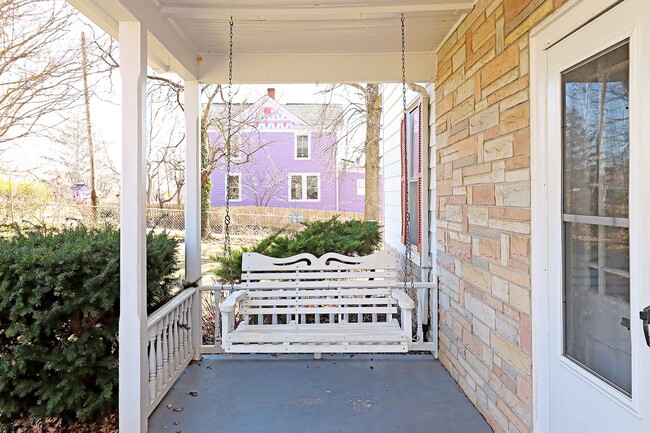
193, 202
133, 367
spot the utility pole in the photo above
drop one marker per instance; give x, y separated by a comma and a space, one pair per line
91, 150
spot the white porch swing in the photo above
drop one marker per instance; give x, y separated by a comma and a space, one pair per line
328, 304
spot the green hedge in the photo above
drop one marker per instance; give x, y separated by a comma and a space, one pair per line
59, 311
351, 238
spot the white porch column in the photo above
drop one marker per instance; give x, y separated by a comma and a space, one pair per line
133, 249
193, 202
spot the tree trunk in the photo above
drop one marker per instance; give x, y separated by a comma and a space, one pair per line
373, 130
91, 150
206, 179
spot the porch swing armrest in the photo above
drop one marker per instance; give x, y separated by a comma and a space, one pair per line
403, 300
228, 306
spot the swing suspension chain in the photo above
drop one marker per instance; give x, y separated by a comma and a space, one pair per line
226, 232
408, 264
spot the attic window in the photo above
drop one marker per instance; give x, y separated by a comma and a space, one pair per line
302, 146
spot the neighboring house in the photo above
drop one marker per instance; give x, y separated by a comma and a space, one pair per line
285, 156
80, 193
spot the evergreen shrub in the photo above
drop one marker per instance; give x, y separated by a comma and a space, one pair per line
59, 311
351, 238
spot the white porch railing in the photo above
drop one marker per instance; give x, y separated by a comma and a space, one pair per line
212, 296
170, 348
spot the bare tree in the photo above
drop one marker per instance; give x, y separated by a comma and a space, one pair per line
39, 71
165, 151
362, 112
263, 184
69, 159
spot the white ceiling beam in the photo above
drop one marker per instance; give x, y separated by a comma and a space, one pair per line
261, 68
183, 55
108, 13
310, 12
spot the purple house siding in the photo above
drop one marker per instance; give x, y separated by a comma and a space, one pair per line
265, 177
350, 199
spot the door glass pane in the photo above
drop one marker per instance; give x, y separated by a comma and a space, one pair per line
596, 136
596, 237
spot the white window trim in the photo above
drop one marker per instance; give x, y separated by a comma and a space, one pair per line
295, 146
361, 191
225, 187
304, 187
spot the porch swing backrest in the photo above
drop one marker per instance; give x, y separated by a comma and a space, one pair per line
257, 268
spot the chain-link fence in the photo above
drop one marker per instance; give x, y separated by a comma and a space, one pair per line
256, 222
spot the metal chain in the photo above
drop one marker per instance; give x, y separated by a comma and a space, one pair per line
226, 235
408, 263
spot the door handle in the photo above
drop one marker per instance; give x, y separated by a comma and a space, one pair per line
645, 316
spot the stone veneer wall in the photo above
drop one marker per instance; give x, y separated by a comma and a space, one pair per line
483, 213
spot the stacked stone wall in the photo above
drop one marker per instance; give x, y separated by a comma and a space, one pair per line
483, 209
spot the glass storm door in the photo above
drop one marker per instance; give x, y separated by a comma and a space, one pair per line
599, 364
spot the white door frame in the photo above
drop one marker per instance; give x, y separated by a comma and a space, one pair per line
569, 18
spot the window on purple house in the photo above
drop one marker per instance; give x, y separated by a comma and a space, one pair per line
235, 147
304, 187
302, 146
233, 187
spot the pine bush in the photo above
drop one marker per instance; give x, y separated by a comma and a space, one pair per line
59, 311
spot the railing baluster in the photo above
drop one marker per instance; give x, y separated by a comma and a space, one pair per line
159, 357
165, 336
217, 318
177, 360
152, 365
187, 327
421, 307
181, 331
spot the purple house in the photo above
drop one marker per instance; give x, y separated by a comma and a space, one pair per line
286, 156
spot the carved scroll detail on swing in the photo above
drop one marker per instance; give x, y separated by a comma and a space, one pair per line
331, 260
256, 262
306, 260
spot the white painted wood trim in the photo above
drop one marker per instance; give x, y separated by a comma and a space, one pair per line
404, 301
193, 201
294, 68
133, 368
228, 306
563, 22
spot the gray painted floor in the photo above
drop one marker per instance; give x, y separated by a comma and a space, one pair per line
297, 394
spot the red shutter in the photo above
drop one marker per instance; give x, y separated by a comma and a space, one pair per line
404, 176
419, 218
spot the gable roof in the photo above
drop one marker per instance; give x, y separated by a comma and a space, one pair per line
304, 114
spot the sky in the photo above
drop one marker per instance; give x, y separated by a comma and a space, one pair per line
26, 157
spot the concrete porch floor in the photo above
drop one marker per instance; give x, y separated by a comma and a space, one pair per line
298, 394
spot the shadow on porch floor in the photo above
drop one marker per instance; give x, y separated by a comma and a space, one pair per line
297, 394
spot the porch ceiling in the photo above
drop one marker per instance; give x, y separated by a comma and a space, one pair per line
288, 41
